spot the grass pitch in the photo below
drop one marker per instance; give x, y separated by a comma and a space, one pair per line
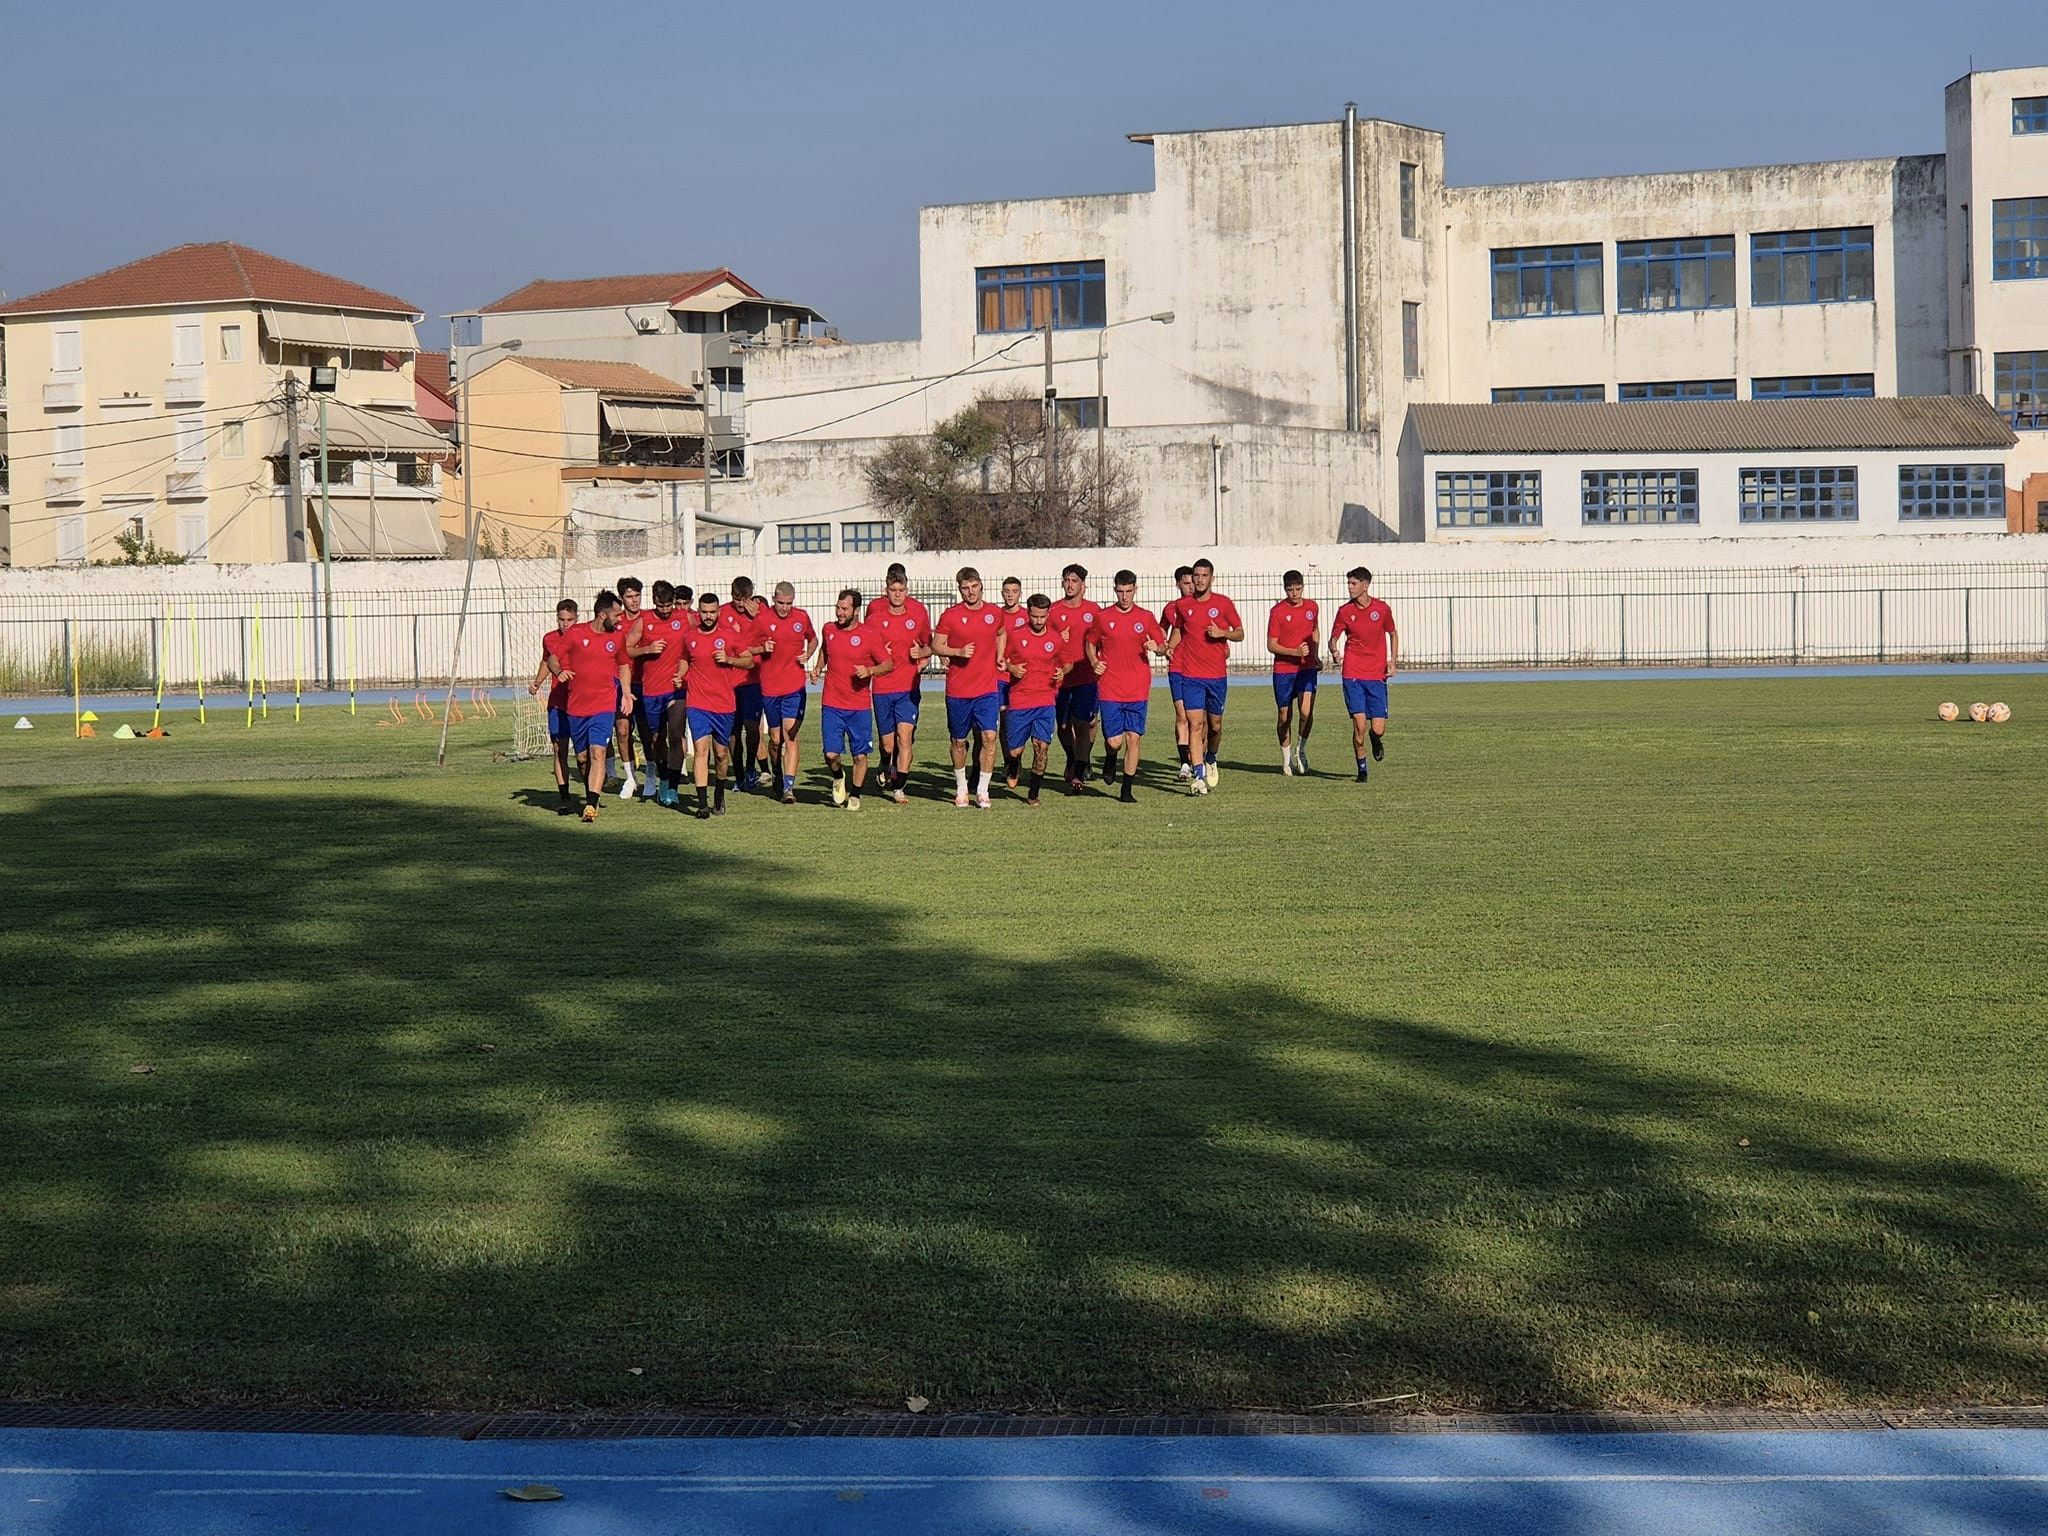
1645, 1043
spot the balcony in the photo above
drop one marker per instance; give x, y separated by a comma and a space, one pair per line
3, 395
185, 389
66, 488
63, 395
728, 431
186, 484
398, 479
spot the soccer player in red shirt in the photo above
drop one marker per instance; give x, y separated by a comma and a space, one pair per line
1184, 580
553, 646
1073, 617
744, 614
1120, 652
907, 625
658, 652
787, 639
849, 657
629, 589
1364, 627
969, 635
599, 676
1032, 658
1012, 616
1292, 629
1207, 625
714, 662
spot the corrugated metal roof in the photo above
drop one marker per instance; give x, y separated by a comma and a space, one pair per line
1908, 422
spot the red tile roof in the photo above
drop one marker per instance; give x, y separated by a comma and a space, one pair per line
613, 292
430, 370
606, 378
219, 272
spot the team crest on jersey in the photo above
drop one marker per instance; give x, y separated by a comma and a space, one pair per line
1212, 613
855, 640
1374, 614
988, 618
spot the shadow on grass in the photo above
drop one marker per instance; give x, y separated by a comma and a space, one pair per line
466, 1109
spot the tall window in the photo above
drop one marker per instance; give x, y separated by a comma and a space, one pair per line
1799, 494
2019, 238
68, 451
2030, 114
867, 538
1546, 280
66, 350
1695, 273
231, 343
1815, 386
1680, 389
1952, 490
1811, 266
1545, 394
804, 539
192, 535
1639, 495
188, 344
71, 540
1066, 295
231, 440
1411, 340
1407, 200
1489, 498
191, 436
2019, 387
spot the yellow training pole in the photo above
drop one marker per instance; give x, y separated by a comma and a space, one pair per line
163, 665
198, 668
262, 661
77, 706
249, 677
351, 658
298, 666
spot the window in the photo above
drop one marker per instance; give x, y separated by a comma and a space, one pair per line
2019, 387
1639, 495
804, 539
66, 350
725, 543
231, 444
1546, 280
1680, 389
192, 535
1066, 295
1694, 273
1085, 411
231, 343
71, 540
867, 538
68, 449
1544, 394
1965, 230
1811, 266
1952, 490
1411, 340
620, 543
1797, 495
1407, 200
2030, 114
187, 345
136, 528
339, 471
1815, 386
1489, 498
2019, 238
190, 432
415, 472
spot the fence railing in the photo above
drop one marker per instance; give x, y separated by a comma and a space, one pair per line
406, 639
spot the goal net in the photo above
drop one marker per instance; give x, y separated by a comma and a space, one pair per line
529, 729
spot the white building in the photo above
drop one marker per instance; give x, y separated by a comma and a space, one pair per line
1322, 279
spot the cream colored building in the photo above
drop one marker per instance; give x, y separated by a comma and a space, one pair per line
148, 402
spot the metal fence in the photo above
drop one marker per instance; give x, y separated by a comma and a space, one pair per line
406, 640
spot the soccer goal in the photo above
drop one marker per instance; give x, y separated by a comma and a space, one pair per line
529, 729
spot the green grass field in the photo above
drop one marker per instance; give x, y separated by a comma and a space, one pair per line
1636, 1044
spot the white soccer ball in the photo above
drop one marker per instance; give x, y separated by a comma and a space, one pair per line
1948, 710
2001, 712
1980, 712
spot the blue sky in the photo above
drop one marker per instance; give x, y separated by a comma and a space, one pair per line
450, 152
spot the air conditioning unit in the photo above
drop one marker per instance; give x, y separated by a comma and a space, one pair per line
645, 326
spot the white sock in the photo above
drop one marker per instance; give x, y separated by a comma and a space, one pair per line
981, 786
960, 780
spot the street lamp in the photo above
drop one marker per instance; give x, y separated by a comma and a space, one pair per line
1163, 317
468, 529
322, 380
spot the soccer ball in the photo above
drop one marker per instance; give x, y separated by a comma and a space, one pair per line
2000, 713
1948, 710
1980, 712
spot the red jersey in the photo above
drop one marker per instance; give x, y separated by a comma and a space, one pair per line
593, 658
972, 676
1040, 656
1201, 656
555, 643
782, 670
1074, 623
658, 673
626, 623
1168, 617
710, 682
1365, 627
1295, 624
855, 645
912, 627
1120, 641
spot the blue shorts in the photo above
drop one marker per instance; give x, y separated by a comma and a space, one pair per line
1367, 697
1288, 687
1079, 704
894, 709
783, 708
715, 725
1204, 693
587, 731
1173, 686
560, 723
654, 710
1003, 692
848, 730
746, 699
1123, 719
965, 716
1032, 723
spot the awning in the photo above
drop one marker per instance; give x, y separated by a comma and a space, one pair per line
646, 419
325, 328
363, 429
400, 530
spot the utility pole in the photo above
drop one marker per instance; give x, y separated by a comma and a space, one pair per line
704, 406
294, 506
327, 546
1101, 418
1052, 438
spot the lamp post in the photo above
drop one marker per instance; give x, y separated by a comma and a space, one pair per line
1163, 317
320, 382
468, 530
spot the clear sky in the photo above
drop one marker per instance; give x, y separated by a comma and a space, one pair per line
450, 152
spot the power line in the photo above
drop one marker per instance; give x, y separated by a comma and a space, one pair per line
128, 474
124, 421
126, 442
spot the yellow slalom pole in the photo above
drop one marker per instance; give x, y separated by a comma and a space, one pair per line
298, 663
77, 705
163, 665
249, 677
198, 667
351, 658
262, 661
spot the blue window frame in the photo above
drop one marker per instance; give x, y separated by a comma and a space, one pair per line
1082, 411
1639, 495
1815, 386
726, 543
1066, 295
1799, 494
1548, 394
2030, 114
2019, 387
1655, 275
1952, 490
804, 539
2019, 238
1812, 266
1546, 280
1489, 498
867, 538
1680, 389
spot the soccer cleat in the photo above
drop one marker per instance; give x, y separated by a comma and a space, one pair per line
1187, 771
853, 803
1198, 786
960, 799
703, 812
1031, 804
590, 813
1127, 798
983, 802
718, 809
1379, 748
1214, 773
1301, 761
650, 788
838, 790
900, 795
629, 786
789, 797
1012, 780
1363, 775
1286, 764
